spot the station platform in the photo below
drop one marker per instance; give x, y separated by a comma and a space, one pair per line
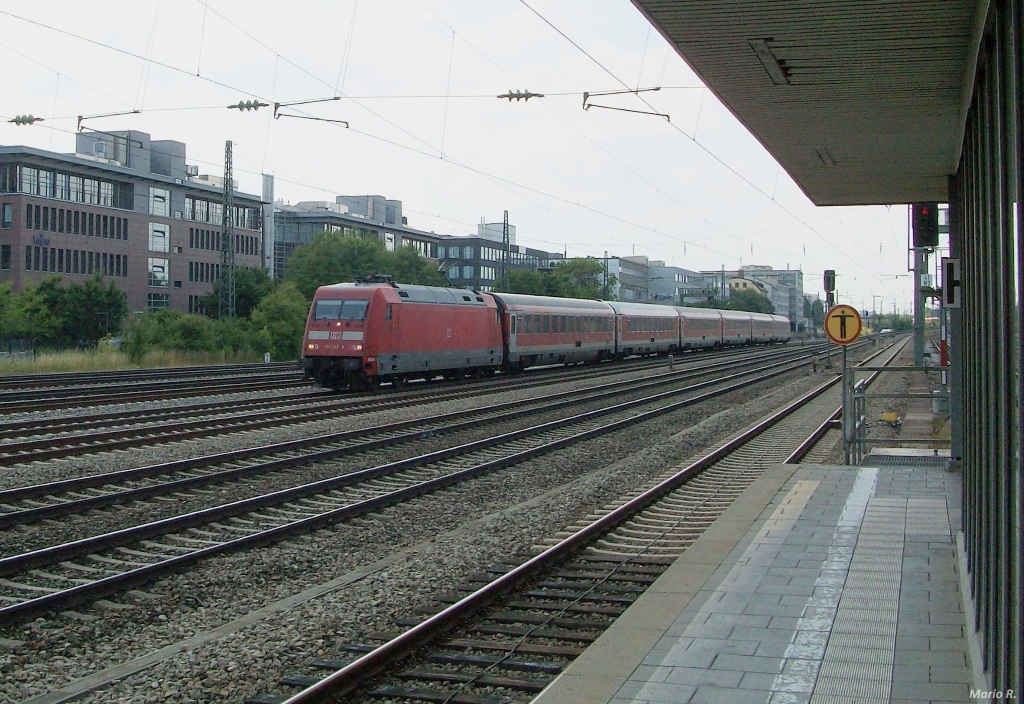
819, 585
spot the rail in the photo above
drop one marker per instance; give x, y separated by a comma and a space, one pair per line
348, 678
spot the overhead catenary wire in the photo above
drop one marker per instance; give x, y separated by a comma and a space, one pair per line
302, 69
576, 129
692, 139
366, 134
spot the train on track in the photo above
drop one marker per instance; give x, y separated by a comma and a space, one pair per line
359, 335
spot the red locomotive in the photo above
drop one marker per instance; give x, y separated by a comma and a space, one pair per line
359, 335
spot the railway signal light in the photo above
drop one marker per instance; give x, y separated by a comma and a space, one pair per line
20, 120
926, 225
830, 280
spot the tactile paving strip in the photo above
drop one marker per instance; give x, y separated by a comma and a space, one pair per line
865, 624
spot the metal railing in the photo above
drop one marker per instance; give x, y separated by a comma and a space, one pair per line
856, 443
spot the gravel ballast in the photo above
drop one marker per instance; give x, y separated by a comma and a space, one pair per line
63, 648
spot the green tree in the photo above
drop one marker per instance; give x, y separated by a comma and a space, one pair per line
571, 278
32, 315
251, 285
333, 258
712, 302
814, 310
95, 310
583, 278
137, 338
281, 318
408, 267
7, 303
531, 282
750, 301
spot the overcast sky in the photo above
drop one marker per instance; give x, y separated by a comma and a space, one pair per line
418, 80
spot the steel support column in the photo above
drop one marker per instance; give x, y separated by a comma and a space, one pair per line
985, 232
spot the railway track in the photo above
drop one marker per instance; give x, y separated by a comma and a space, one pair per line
93, 433
62, 576
506, 632
63, 498
68, 379
22, 401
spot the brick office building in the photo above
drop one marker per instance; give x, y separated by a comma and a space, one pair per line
124, 206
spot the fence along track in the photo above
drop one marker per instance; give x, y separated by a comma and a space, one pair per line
56, 499
93, 567
539, 615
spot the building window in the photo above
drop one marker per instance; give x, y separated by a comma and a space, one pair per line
107, 194
5, 257
158, 301
77, 189
159, 202
46, 183
159, 239
92, 191
30, 180
60, 187
467, 272
440, 252
467, 253
158, 275
8, 216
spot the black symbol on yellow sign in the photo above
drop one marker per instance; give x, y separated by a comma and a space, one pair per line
843, 324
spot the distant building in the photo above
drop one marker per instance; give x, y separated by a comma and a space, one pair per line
363, 216
672, 285
476, 262
494, 231
741, 284
127, 207
783, 287
632, 279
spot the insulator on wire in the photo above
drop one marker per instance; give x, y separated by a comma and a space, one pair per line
25, 120
248, 105
520, 95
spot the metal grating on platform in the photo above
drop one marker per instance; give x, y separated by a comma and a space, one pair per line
904, 461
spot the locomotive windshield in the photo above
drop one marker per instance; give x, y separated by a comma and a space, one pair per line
340, 310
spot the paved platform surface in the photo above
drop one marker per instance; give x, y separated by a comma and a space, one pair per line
820, 585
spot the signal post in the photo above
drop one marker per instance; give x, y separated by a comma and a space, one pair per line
843, 325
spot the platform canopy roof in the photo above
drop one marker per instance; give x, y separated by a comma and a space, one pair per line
861, 101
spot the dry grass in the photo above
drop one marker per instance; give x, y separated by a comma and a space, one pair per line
109, 358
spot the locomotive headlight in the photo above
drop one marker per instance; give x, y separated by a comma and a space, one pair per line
310, 346
358, 347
